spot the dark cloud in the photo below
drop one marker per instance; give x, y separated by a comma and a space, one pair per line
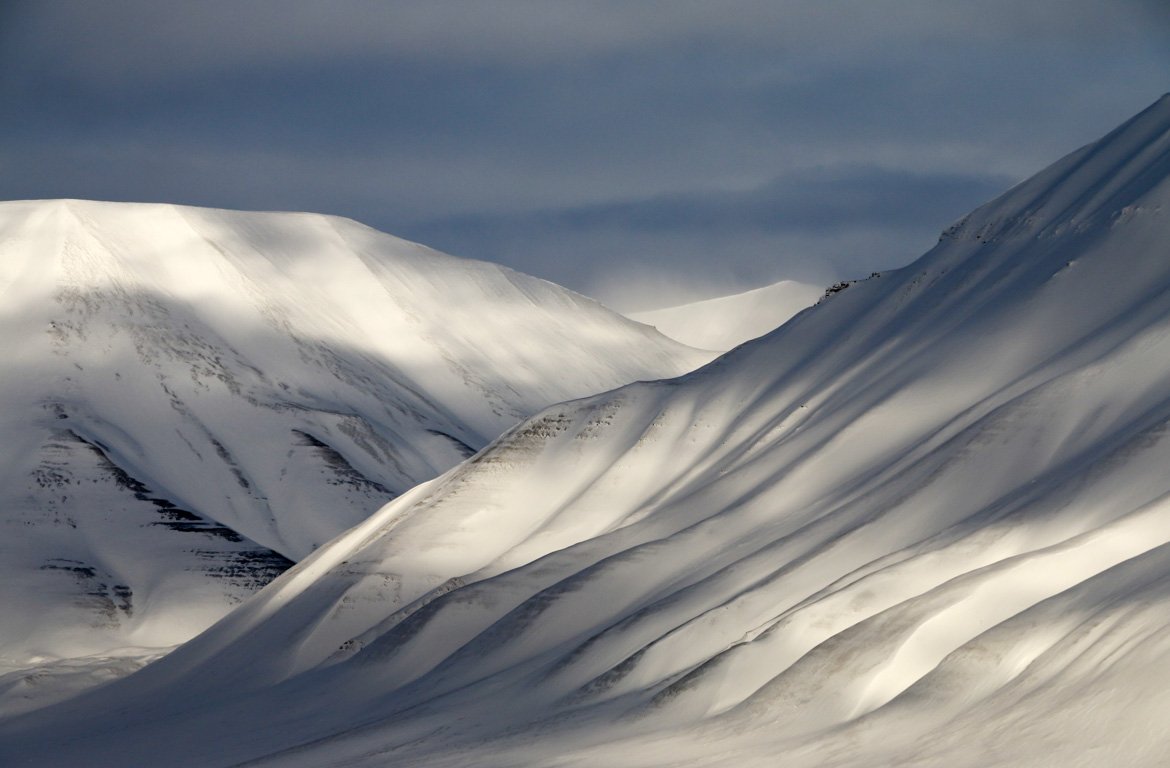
817, 200
120, 42
583, 142
747, 237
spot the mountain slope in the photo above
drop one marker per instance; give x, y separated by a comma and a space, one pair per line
728, 321
924, 523
192, 399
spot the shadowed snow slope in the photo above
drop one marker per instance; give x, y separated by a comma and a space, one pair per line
728, 321
190, 399
924, 523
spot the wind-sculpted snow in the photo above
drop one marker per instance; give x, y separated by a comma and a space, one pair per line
924, 523
193, 399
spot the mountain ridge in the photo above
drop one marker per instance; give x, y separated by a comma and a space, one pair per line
924, 522
191, 390
724, 322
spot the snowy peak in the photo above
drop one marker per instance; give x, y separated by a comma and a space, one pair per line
187, 391
301, 312
1125, 174
728, 321
924, 522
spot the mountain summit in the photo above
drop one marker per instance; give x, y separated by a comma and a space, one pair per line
926, 522
193, 399
727, 321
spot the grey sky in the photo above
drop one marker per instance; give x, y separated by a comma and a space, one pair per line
692, 147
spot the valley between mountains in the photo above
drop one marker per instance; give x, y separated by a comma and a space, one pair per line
924, 522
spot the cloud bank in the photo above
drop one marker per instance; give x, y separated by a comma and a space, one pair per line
709, 145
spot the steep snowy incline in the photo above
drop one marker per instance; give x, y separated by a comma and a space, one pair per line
190, 399
926, 522
728, 321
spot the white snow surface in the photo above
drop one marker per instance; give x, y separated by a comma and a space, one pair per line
191, 399
924, 523
727, 321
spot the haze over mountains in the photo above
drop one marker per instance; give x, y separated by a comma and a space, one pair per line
727, 321
194, 399
925, 522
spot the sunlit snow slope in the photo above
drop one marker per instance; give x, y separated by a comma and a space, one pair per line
728, 321
925, 523
190, 399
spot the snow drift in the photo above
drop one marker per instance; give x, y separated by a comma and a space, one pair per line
924, 523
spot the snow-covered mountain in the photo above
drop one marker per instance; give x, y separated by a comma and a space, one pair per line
192, 399
924, 523
728, 321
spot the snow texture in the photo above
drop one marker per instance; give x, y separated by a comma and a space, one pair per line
191, 400
925, 523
